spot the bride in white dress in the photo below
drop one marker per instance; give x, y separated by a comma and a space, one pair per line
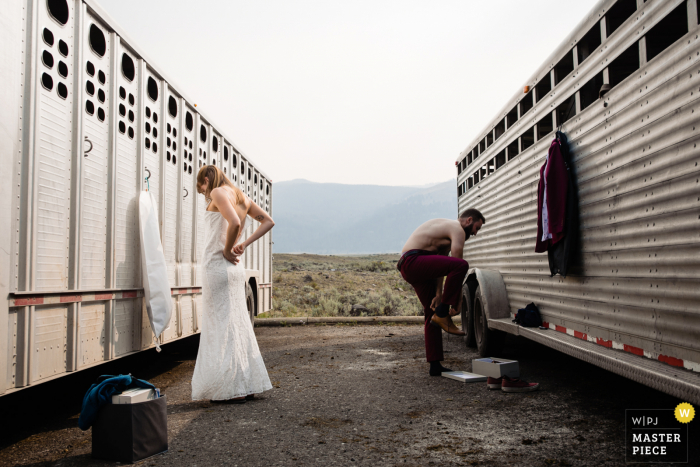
229, 365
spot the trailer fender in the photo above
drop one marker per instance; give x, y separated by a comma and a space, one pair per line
493, 292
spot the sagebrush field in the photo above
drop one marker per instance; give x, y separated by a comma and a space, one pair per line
316, 285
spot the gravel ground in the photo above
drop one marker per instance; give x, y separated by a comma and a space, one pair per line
353, 395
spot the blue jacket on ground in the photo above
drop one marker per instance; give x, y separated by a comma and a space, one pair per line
101, 393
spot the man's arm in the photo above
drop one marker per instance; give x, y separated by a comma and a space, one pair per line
457, 241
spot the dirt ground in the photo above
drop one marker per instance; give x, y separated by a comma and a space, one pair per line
353, 395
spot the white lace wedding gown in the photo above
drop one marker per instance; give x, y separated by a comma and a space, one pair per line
229, 363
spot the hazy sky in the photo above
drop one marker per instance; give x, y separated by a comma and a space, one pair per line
371, 92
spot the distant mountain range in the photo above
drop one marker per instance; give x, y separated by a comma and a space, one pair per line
332, 218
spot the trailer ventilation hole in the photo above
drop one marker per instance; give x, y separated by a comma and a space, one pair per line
98, 43
131, 133
204, 155
543, 87
235, 161
152, 89
189, 121
101, 95
101, 77
172, 106
174, 145
242, 169
225, 153
90, 88
48, 37
174, 132
155, 117
174, 158
169, 129
47, 59
512, 117
148, 143
62, 69
249, 174
527, 139
167, 142
122, 110
185, 166
564, 67
167, 155
128, 68
100, 114
155, 147
489, 139
155, 132
203, 133
89, 107
267, 190
624, 65
526, 104
148, 127
131, 115
500, 128
122, 92
132, 101
566, 110
62, 90
513, 149
189, 169
190, 157
122, 127
190, 144
667, 31
213, 162
618, 14
90, 68
63, 48
58, 9
215, 144
589, 91
588, 43
544, 126
148, 112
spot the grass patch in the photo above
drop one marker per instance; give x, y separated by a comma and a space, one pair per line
322, 286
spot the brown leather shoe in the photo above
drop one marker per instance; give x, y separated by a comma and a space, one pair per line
446, 324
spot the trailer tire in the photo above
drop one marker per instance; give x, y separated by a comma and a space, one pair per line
467, 312
250, 302
488, 341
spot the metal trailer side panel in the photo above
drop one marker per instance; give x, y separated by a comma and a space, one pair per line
13, 35
128, 184
171, 187
189, 194
636, 161
151, 105
94, 166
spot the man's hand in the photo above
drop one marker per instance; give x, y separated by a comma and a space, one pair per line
436, 301
454, 311
230, 257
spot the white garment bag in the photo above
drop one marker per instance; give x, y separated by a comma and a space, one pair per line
155, 274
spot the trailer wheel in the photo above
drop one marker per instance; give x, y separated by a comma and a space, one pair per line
488, 341
250, 302
467, 313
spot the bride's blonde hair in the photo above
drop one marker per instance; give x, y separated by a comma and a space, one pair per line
217, 179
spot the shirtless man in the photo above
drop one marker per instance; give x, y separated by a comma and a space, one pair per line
424, 264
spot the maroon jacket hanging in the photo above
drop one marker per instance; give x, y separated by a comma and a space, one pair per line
554, 172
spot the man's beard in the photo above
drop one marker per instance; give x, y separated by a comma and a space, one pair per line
467, 231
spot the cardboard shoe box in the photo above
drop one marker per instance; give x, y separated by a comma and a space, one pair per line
130, 432
496, 367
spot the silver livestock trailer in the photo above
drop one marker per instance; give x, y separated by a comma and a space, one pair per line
624, 87
88, 122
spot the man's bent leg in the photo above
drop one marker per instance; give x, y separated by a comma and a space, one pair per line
433, 335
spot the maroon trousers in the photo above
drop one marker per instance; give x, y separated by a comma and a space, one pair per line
422, 272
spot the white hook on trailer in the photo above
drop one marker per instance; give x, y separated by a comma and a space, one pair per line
90, 143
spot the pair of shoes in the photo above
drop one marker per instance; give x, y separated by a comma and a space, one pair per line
507, 384
446, 324
230, 401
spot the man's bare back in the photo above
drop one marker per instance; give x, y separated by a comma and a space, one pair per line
441, 236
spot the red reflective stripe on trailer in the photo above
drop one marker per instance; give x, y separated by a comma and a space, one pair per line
129, 294
70, 298
581, 335
603, 342
634, 350
671, 360
545, 324
104, 296
29, 301
560, 328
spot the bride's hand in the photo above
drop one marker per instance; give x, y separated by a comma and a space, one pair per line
230, 257
239, 249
